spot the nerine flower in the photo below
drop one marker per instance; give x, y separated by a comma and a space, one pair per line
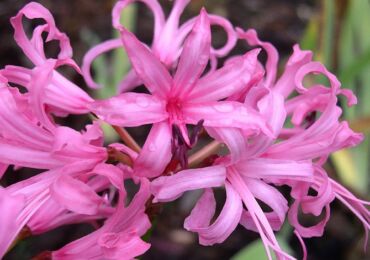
119, 237
241, 104
167, 42
60, 95
182, 99
259, 162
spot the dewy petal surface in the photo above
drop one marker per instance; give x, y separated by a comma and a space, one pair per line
194, 56
229, 79
151, 71
225, 114
130, 109
156, 153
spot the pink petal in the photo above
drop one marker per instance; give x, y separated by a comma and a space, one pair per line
246, 221
170, 188
130, 81
151, 71
203, 212
118, 237
272, 198
231, 78
272, 55
325, 195
3, 168
313, 231
59, 93
41, 77
286, 84
92, 54
234, 138
17, 154
33, 11
156, 153
225, 114
10, 208
122, 245
130, 109
154, 6
113, 173
220, 21
194, 57
226, 222
214, 20
75, 195
258, 216
166, 44
275, 168
315, 68
271, 106
17, 126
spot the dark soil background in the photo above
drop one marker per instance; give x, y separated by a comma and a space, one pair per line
280, 22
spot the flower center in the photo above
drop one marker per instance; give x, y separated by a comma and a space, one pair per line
174, 110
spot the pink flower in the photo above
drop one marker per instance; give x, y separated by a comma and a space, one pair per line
25, 143
244, 184
257, 162
31, 196
182, 99
119, 237
58, 93
167, 42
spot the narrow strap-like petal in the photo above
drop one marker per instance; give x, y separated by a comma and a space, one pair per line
226, 114
170, 188
122, 245
226, 222
75, 195
60, 93
10, 208
156, 153
40, 78
194, 57
153, 5
35, 10
275, 168
16, 126
271, 106
92, 54
285, 85
203, 211
147, 66
259, 218
316, 230
272, 198
130, 109
234, 138
224, 82
272, 55
17, 154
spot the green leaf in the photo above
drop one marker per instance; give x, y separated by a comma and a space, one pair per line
256, 250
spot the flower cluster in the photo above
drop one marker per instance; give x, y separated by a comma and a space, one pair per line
277, 131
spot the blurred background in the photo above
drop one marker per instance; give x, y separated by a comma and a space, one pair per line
337, 31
